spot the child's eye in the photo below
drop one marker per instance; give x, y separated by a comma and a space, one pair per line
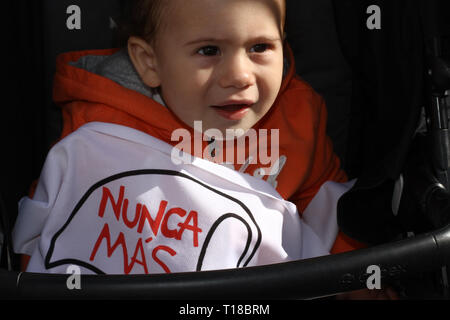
209, 51
260, 48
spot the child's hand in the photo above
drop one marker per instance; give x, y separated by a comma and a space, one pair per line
366, 294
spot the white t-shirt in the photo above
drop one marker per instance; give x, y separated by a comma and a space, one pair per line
110, 200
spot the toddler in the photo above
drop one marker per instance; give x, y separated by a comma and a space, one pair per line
212, 80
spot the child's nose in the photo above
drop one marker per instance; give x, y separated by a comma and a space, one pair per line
237, 72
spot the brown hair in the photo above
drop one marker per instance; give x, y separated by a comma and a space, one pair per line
142, 18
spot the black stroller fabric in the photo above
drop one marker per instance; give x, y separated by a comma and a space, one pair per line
311, 33
388, 70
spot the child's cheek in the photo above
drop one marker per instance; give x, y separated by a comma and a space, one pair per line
268, 88
201, 77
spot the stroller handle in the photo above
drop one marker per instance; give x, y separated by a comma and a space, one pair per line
302, 279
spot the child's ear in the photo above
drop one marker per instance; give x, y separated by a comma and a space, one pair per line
143, 58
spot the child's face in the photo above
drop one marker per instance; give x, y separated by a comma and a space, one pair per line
220, 61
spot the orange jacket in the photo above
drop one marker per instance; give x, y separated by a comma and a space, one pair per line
299, 113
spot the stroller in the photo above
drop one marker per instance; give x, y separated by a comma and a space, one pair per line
384, 72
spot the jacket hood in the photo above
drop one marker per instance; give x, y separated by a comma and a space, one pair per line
118, 68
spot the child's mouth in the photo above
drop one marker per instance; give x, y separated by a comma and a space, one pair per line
233, 111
